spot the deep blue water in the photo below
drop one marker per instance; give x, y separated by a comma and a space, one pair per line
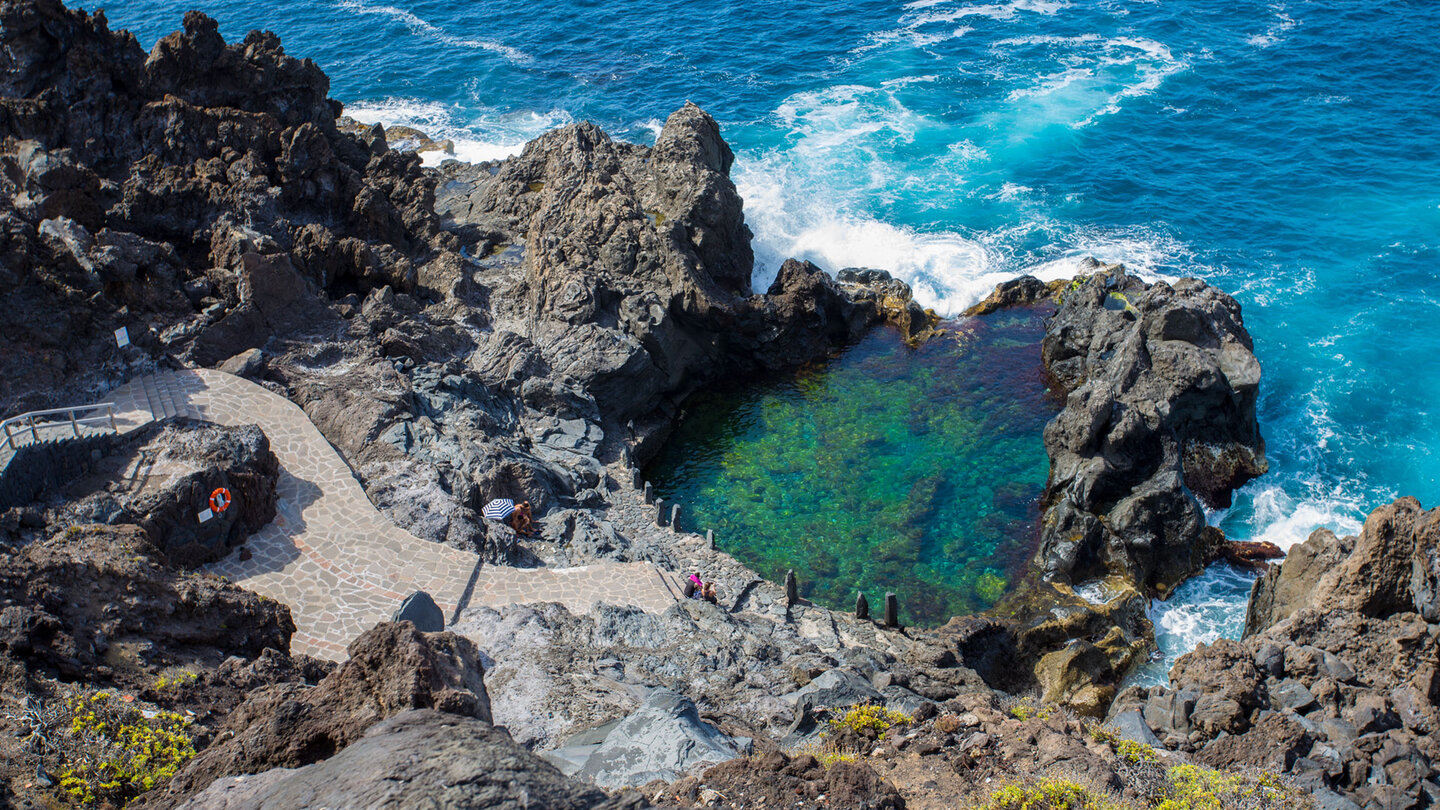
1286, 151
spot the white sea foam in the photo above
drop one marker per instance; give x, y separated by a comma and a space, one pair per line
1201, 611
1276, 31
994, 11
1100, 75
435, 32
479, 133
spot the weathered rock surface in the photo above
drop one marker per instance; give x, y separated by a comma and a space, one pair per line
416, 759
1392, 567
663, 739
555, 674
392, 668
1337, 681
161, 478
1160, 385
79, 602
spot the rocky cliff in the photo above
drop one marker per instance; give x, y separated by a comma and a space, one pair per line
1160, 385
1338, 678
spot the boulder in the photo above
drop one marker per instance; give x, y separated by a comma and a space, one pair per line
419, 609
162, 479
417, 759
663, 739
392, 668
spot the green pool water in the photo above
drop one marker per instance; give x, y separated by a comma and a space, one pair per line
889, 468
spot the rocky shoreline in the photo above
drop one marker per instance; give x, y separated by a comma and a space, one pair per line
529, 329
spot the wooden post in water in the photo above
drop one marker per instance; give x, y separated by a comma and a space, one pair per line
675, 518
710, 539
649, 493
659, 511
792, 590
892, 610
862, 607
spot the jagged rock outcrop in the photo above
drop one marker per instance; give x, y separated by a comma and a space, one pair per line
161, 478
124, 178
1338, 678
1160, 385
497, 344
392, 668
1392, 567
417, 759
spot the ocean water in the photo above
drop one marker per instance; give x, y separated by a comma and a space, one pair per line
1283, 150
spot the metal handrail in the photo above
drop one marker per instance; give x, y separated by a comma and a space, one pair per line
31, 422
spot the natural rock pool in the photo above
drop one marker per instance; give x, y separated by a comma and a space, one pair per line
890, 468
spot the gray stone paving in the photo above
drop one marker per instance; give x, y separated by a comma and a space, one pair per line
330, 555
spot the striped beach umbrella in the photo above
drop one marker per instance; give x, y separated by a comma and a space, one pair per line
499, 509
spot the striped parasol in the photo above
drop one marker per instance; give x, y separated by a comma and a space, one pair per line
499, 509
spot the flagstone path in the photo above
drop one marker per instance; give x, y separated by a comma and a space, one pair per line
334, 558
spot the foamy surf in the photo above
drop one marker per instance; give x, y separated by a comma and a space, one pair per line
478, 133
429, 30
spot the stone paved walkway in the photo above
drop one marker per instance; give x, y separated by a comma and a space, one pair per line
330, 555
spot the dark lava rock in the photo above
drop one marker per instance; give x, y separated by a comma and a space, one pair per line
802, 782
90, 590
416, 759
1160, 384
161, 479
392, 668
1338, 678
419, 609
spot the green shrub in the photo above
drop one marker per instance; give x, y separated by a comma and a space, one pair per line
119, 752
1047, 794
867, 718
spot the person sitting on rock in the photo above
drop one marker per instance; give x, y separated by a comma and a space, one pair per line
694, 586
710, 595
522, 520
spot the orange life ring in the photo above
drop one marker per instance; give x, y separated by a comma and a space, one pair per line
220, 500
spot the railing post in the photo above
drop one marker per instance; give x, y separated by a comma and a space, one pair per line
9, 439
675, 518
710, 538
660, 512
892, 610
74, 426
110, 411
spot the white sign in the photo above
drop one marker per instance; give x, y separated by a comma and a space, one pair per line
205, 515
122, 337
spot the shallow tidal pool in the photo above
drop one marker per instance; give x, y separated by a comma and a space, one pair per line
888, 468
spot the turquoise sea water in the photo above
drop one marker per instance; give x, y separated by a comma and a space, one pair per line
1283, 150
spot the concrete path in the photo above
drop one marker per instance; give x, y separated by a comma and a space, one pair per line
330, 555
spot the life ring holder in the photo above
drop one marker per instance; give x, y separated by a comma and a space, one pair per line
220, 500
